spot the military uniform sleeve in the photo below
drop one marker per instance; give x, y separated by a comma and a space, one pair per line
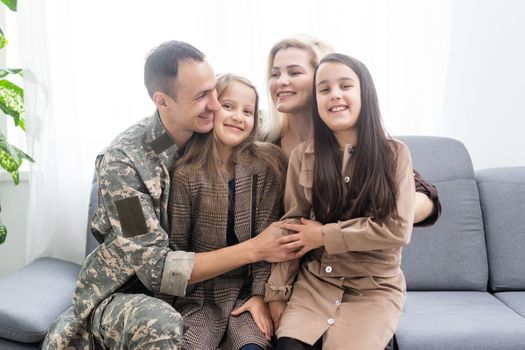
129, 204
363, 233
296, 205
431, 192
268, 210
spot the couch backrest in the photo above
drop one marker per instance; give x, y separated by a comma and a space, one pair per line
451, 254
502, 194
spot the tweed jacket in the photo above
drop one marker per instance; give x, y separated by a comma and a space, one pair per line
354, 248
199, 216
131, 222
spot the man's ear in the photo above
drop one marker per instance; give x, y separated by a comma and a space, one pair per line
160, 99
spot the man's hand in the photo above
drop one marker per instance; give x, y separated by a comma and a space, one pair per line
266, 245
276, 311
260, 314
309, 236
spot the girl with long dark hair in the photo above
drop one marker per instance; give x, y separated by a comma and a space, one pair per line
349, 204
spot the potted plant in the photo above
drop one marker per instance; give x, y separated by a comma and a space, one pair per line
12, 105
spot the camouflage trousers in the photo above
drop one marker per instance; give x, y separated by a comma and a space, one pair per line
136, 321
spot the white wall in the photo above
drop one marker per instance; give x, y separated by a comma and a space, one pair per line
484, 100
14, 201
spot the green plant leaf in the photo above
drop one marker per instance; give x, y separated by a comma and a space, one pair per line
8, 148
22, 155
3, 41
11, 158
12, 101
10, 165
12, 4
7, 71
3, 232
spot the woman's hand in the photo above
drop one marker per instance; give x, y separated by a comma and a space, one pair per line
309, 236
266, 245
276, 310
260, 314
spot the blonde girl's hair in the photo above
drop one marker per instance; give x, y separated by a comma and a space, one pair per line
202, 151
276, 123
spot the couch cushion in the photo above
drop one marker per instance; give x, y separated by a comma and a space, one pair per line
459, 320
502, 194
32, 298
12, 345
514, 300
451, 254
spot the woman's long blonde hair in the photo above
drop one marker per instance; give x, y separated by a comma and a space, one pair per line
276, 123
202, 152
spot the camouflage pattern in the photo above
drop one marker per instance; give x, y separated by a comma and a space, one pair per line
133, 175
136, 321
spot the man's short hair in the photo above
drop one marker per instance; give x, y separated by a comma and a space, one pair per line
162, 65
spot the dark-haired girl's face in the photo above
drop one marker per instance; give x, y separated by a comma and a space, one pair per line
338, 94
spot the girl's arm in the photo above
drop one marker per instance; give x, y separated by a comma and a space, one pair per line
428, 207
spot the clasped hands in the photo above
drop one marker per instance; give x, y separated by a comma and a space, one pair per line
271, 246
306, 235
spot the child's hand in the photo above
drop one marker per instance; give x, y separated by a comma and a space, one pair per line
309, 236
260, 314
276, 310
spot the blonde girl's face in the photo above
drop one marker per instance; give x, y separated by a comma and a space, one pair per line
291, 80
234, 121
338, 93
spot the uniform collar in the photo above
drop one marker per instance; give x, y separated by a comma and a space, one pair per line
161, 141
161, 138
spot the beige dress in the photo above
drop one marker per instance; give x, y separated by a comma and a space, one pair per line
351, 291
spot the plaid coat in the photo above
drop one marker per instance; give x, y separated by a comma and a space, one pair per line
199, 215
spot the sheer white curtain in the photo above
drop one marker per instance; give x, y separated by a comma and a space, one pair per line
86, 64
58, 197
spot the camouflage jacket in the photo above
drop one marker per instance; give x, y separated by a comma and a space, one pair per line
133, 175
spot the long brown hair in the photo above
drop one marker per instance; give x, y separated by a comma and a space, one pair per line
202, 151
373, 190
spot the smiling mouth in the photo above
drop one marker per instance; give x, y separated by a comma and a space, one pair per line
234, 128
338, 108
285, 94
206, 115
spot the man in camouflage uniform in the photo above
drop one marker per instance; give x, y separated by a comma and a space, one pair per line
113, 306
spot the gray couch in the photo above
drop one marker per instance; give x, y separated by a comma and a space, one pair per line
465, 274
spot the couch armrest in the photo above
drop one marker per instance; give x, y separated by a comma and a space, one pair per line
32, 298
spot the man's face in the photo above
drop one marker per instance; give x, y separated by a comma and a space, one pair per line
195, 101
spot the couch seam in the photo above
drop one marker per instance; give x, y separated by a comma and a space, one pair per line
506, 302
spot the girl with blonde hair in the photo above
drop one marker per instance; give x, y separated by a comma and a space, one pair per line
226, 189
